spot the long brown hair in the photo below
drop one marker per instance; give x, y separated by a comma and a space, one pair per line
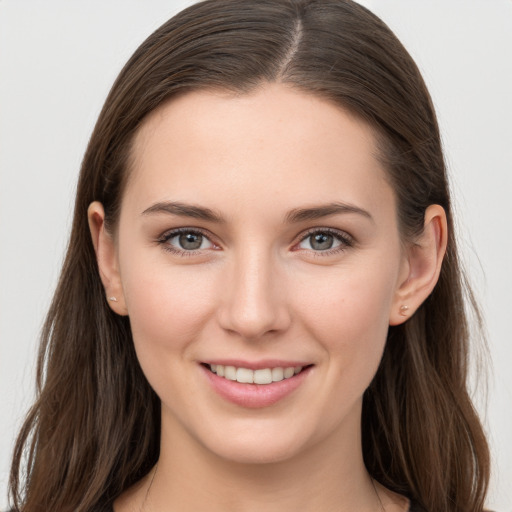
94, 429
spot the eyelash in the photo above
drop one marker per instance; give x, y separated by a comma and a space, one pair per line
164, 239
346, 241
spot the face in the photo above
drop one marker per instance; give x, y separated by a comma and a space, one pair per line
258, 241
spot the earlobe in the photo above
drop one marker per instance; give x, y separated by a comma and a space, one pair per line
106, 258
424, 258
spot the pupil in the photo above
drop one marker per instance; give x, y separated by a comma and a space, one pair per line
322, 241
191, 241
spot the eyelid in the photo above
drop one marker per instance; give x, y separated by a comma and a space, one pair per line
345, 238
171, 233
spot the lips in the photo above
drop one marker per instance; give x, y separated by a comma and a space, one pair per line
260, 386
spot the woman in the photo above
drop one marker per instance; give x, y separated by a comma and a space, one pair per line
261, 302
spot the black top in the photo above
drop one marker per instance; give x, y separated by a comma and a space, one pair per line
413, 508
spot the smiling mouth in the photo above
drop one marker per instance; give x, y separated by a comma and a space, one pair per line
261, 376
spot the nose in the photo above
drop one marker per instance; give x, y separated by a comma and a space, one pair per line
254, 297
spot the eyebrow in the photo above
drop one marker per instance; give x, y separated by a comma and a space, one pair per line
318, 212
293, 216
185, 210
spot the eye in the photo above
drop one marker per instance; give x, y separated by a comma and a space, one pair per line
186, 241
325, 240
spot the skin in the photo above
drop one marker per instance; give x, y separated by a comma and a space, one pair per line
258, 288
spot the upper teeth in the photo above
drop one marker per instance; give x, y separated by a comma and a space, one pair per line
247, 376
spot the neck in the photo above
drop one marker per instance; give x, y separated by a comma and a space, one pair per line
328, 476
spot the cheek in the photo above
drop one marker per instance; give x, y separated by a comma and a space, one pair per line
167, 305
168, 308
349, 316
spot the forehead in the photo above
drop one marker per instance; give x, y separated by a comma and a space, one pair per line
275, 142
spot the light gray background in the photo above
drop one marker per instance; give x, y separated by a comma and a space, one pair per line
57, 62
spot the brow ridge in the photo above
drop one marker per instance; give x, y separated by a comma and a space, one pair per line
292, 217
184, 210
320, 211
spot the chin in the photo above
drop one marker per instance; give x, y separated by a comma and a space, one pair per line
255, 453
264, 445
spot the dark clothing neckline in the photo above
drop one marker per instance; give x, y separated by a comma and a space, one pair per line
413, 507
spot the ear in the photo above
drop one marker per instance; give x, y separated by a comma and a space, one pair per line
422, 266
106, 257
